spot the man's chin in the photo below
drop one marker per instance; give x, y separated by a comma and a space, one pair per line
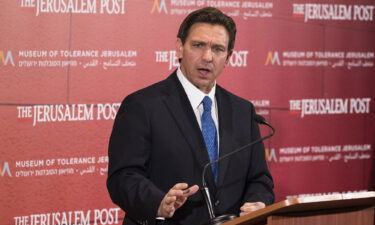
204, 86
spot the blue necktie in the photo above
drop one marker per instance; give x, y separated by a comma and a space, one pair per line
209, 133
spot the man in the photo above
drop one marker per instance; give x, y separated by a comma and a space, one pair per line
164, 135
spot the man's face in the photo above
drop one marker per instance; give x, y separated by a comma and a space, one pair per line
204, 54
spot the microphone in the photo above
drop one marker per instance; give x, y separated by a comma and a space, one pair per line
206, 192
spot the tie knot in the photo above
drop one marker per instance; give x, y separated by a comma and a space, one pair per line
207, 103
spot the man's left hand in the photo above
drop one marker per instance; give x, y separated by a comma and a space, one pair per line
249, 207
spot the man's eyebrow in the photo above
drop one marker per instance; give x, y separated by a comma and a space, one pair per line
204, 42
218, 45
197, 41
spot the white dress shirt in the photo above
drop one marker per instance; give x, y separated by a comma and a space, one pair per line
196, 96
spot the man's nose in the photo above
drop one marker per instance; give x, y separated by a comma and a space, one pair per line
207, 55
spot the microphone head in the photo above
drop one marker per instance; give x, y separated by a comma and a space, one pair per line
259, 119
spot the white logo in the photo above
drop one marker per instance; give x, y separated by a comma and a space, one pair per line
272, 57
272, 155
334, 12
68, 113
331, 106
334, 59
75, 6
159, 7
5, 169
8, 58
167, 57
238, 58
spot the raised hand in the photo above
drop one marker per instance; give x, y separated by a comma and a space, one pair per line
175, 198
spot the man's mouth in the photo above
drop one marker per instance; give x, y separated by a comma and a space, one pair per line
204, 71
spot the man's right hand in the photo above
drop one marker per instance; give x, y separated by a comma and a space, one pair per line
175, 198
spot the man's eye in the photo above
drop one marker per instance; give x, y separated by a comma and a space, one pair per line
198, 45
218, 49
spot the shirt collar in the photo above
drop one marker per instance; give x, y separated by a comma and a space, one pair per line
194, 94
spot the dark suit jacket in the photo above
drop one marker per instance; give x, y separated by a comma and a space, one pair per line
156, 142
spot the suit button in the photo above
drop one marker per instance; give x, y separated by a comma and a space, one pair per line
217, 203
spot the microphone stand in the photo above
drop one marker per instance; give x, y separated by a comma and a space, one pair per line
206, 192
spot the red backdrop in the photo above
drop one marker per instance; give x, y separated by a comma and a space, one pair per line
65, 65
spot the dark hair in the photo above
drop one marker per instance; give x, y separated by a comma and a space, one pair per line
208, 15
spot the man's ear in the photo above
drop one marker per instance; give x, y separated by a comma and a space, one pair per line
179, 48
228, 56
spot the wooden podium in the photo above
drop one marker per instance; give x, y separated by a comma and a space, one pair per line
341, 209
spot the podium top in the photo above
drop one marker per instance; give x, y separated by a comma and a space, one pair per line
313, 203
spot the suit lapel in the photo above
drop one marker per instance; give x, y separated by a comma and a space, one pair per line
225, 131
